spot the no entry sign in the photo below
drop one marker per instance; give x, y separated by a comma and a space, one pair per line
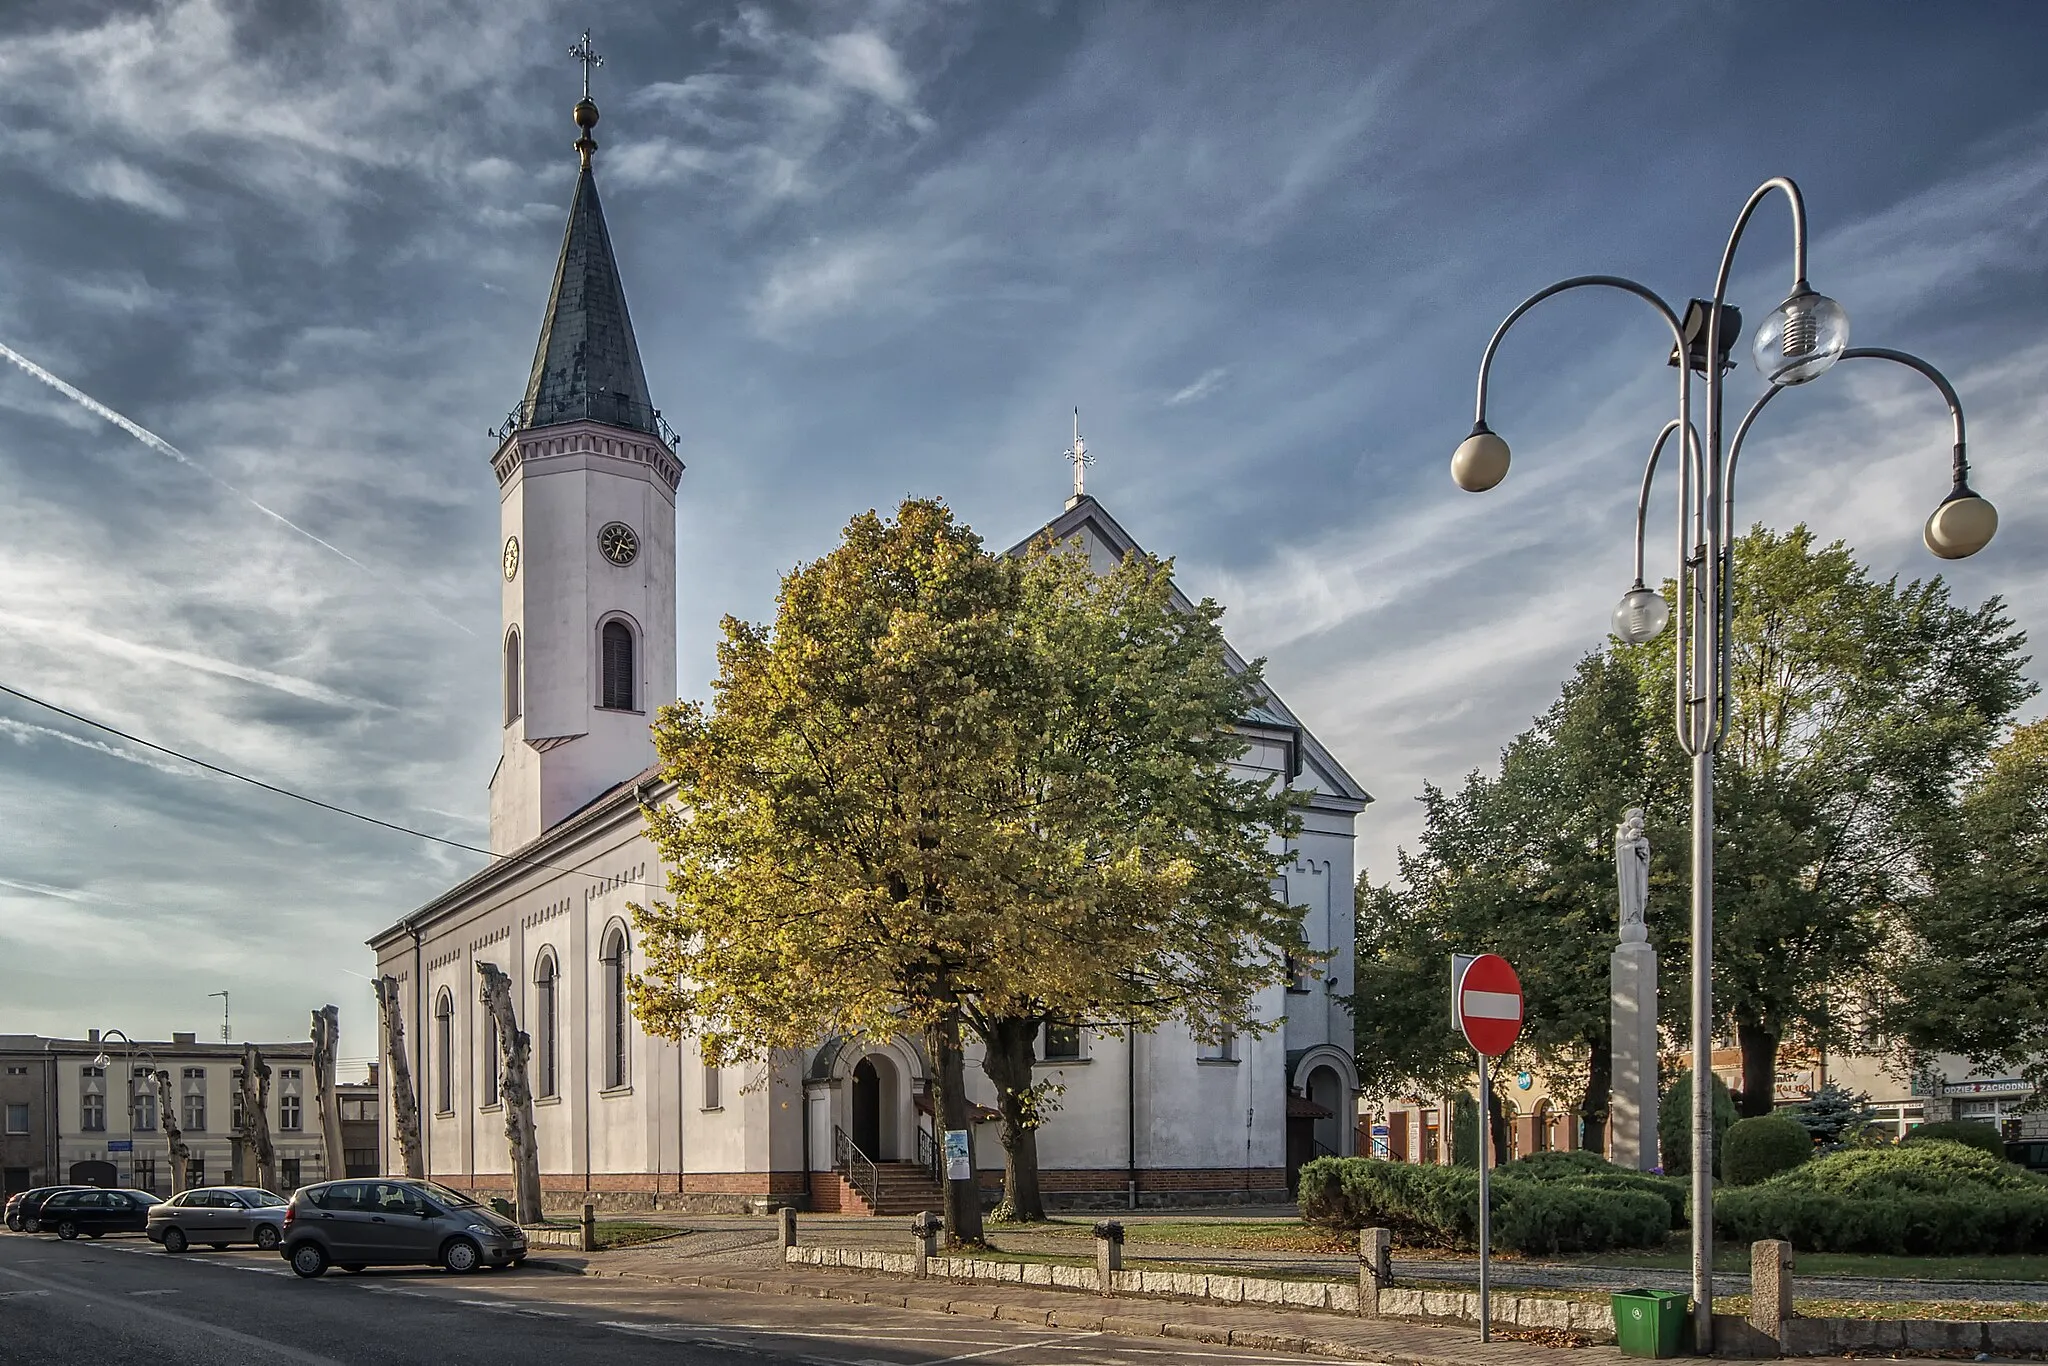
1488, 1004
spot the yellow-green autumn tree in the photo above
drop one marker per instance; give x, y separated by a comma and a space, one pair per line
954, 790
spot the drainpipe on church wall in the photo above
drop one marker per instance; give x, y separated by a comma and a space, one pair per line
419, 1045
1131, 1110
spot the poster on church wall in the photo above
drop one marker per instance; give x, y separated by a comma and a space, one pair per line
956, 1156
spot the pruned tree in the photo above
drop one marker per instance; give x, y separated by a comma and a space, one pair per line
876, 833
515, 1049
253, 1079
174, 1137
405, 1105
326, 1049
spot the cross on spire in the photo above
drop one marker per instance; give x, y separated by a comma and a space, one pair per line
587, 55
1078, 454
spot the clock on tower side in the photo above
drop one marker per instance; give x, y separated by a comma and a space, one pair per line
587, 650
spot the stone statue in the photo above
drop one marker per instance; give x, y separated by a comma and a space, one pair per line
1632, 870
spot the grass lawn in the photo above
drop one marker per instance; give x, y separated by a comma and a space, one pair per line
2025, 1267
613, 1233
1268, 1235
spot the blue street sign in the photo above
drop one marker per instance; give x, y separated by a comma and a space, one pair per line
120, 1145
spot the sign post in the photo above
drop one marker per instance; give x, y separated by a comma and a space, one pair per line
1486, 1006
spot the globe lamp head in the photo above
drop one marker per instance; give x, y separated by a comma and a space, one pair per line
1801, 339
1963, 525
1481, 460
1640, 615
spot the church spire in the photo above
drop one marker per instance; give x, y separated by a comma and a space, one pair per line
587, 364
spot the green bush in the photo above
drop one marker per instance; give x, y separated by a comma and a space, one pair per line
1465, 1131
1590, 1169
1931, 1198
1981, 1136
1440, 1206
1674, 1124
1558, 1166
1761, 1147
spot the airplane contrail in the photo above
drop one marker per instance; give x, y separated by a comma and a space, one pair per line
163, 447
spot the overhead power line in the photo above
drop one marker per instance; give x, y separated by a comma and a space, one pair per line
310, 801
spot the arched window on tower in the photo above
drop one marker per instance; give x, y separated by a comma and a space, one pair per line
544, 983
617, 1012
618, 666
512, 707
492, 1061
444, 1053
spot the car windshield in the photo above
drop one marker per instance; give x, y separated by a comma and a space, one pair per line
452, 1199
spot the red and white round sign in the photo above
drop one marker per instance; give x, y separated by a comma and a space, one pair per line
1490, 1004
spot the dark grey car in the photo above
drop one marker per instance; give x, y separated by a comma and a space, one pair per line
395, 1221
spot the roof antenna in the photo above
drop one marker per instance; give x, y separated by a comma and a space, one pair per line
1078, 454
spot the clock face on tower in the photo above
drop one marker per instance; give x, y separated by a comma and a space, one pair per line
618, 543
511, 558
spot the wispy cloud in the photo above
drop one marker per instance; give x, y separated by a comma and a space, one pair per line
1203, 386
23, 733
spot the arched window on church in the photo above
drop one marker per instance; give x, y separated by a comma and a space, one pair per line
512, 701
544, 984
491, 1060
616, 1008
618, 666
444, 1052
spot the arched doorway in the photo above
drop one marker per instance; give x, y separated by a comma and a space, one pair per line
1326, 1089
871, 1101
94, 1174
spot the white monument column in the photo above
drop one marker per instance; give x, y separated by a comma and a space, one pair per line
1632, 1121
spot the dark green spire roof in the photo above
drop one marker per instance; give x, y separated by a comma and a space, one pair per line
587, 364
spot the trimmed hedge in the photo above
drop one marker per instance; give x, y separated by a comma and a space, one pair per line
1440, 1205
1590, 1169
1759, 1148
1981, 1136
1931, 1198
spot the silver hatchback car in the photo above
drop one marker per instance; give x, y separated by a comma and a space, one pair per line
218, 1216
395, 1221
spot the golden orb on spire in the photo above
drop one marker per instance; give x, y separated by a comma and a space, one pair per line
586, 113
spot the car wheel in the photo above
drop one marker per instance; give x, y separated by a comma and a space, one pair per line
32, 1225
174, 1239
461, 1255
67, 1230
309, 1259
267, 1238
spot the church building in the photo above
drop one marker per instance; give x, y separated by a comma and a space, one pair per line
587, 477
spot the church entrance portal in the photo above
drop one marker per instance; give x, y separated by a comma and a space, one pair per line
866, 1106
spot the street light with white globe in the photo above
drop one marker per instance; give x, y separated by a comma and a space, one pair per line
1802, 339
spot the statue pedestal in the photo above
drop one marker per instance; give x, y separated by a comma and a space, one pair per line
1633, 1017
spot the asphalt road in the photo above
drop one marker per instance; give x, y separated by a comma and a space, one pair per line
122, 1300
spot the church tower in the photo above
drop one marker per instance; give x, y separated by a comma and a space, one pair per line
587, 475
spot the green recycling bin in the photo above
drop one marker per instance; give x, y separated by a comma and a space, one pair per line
1650, 1323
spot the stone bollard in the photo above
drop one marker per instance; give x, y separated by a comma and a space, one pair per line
1375, 1268
590, 1228
1770, 1287
926, 1226
1109, 1253
785, 1224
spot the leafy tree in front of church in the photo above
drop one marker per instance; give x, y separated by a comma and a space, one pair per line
951, 789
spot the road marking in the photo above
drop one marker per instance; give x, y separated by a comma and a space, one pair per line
249, 1340
152, 1292
1013, 1347
21, 1294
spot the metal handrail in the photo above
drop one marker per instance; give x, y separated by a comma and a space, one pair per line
856, 1166
931, 1155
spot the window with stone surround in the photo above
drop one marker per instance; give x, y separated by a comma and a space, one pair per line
444, 1053
617, 1010
617, 671
545, 984
512, 700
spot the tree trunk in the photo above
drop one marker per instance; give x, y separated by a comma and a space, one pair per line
1758, 1040
167, 1119
1008, 1053
515, 1047
257, 1151
326, 1047
949, 1108
1496, 1125
405, 1106
1593, 1111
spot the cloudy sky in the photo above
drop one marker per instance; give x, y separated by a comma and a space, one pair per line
882, 248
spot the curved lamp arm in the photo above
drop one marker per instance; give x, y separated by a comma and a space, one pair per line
1642, 292
1757, 196
1649, 478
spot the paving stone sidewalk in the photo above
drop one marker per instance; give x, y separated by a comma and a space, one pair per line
1316, 1334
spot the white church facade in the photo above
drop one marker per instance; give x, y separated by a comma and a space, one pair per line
587, 478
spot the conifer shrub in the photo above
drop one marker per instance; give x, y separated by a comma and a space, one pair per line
1674, 1124
1984, 1137
1759, 1148
1439, 1206
1591, 1169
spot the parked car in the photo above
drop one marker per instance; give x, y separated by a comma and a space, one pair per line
96, 1213
218, 1216
23, 1209
395, 1221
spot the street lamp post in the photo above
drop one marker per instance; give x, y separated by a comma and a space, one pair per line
1801, 339
103, 1062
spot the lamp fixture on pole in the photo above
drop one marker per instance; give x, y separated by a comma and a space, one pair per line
1801, 340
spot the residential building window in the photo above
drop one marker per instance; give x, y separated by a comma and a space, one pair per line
1220, 1048
145, 1110
444, 1053
1062, 1042
714, 1087
17, 1071
617, 1012
93, 1102
512, 712
288, 1172
235, 1102
492, 1060
618, 666
195, 1105
145, 1173
17, 1119
544, 985
290, 1114
195, 1172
